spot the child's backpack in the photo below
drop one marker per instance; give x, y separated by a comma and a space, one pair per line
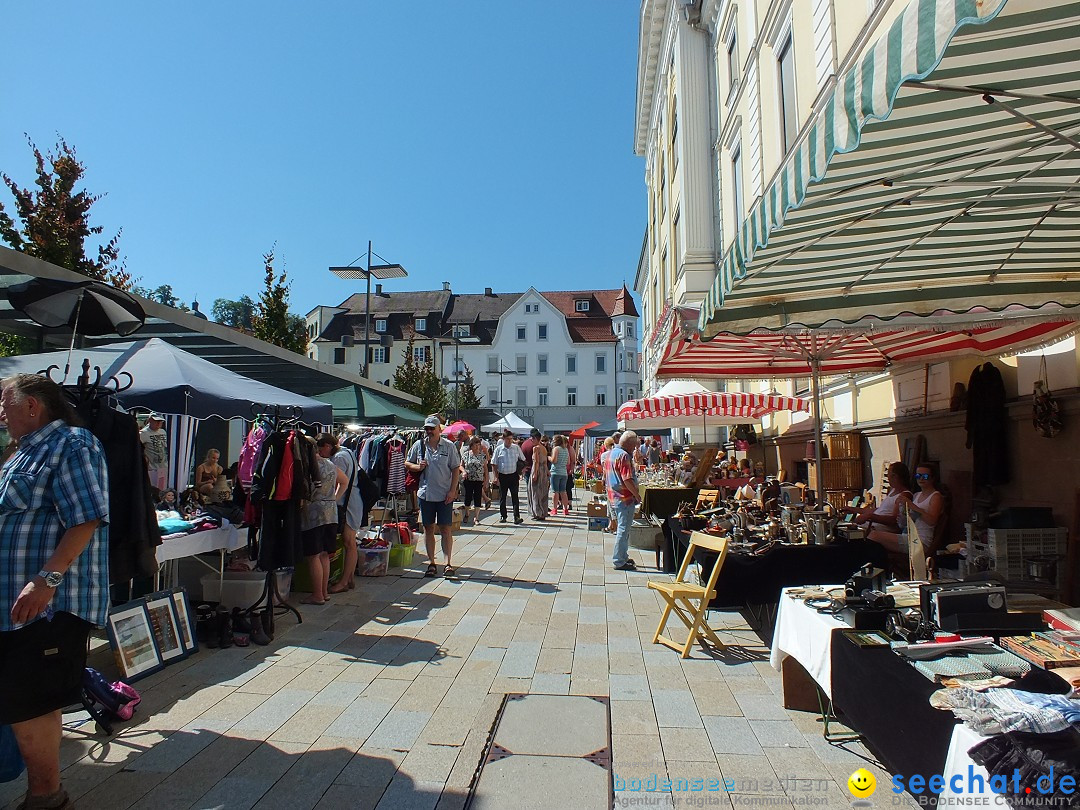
112, 700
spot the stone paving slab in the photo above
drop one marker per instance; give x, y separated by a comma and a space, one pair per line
386, 698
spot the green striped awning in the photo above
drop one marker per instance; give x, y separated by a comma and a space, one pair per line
942, 176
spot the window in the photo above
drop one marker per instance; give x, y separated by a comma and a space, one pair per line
732, 47
674, 137
420, 354
522, 364
601, 395
493, 364
789, 116
601, 363
493, 396
541, 364
461, 330
629, 393
339, 356
675, 255
378, 354
737, 183
629, 330
541, 331
421, 324
532, 308
380, 325
581, 305
622, 394
521, 331
663, 190
521, 395
571, 364
618, 329
571, 395
459, 366
541, 396
630, 361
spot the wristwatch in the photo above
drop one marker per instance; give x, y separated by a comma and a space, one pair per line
52, 578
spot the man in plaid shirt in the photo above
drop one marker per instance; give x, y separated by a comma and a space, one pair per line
54, 584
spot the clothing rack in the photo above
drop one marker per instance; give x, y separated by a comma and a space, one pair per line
270, 593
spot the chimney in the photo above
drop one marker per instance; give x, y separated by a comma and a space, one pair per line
378, 289
487, 292
446, 286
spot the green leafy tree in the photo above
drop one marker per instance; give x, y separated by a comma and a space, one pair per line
11, 345
420, 380
239, 314
271, 319
54, 220
465, 396
163, 295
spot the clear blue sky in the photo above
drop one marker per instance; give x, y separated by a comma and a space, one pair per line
481, 143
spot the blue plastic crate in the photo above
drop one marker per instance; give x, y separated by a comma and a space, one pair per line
596, 523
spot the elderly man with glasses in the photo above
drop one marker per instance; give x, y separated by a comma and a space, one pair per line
438, 463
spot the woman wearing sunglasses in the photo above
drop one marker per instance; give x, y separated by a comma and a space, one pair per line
925, 506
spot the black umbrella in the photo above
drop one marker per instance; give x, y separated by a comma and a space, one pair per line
89, 307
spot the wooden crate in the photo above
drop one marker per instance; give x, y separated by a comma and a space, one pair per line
844, 445
839, 498
837, 473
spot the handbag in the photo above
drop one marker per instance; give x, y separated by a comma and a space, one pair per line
1046, 414
521, 464
412, 479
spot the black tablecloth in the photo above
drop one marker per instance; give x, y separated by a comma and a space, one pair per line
887, 701
748, 579
663, 502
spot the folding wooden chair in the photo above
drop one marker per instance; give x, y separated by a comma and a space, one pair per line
689, 601
707, 499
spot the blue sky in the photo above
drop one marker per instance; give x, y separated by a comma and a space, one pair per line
481, 143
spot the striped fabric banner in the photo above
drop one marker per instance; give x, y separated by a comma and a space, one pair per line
181, 432
910, 197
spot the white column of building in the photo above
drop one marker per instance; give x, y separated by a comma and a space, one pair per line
697, 208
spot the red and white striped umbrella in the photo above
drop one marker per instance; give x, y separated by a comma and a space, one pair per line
773, 355
708, 408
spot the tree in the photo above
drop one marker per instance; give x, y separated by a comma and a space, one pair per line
163, 295
11, 345
465, 396
420, 380
239, 314
271, 319
54, 220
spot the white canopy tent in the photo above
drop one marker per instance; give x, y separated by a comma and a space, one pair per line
517, 425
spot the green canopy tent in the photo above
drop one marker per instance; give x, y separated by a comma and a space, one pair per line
355, 404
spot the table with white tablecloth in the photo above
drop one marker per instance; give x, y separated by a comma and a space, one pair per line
222, 540
805, 635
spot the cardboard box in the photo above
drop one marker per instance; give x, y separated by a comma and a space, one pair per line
459, 516
596, 509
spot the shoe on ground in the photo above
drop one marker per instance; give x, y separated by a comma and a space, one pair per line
503, 519
629, 565
518, 520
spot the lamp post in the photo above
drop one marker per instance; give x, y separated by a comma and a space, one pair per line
503, 372
458, 340
380, 271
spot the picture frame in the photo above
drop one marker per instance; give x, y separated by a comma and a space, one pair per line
165, 625
187, 620
131, 636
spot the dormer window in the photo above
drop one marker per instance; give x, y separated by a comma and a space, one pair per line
461, 330
581, 305
380, 325
421, 324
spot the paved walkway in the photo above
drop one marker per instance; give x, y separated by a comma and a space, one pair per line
385, 698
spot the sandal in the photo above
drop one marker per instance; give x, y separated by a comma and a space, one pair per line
432, 570
449, 571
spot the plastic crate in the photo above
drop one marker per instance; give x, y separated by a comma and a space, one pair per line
1004, 550
373, 562
844, 445
241, 588
401, 556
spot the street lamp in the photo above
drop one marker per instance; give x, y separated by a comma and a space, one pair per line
502, 372
458, 340
380, 271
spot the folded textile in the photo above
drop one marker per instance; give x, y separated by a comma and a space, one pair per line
1033, 756
174, 525
998, 711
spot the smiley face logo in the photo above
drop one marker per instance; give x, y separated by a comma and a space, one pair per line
862, 784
